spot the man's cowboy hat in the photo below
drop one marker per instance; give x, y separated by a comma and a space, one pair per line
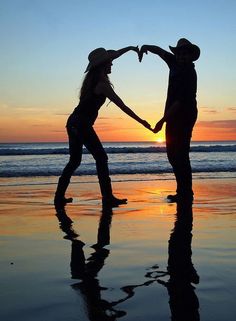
97, 57
184, 43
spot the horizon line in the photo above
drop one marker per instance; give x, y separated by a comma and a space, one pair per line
143, 141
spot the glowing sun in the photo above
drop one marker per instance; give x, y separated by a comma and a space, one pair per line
160, 140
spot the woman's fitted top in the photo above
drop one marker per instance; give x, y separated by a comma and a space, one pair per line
87, 111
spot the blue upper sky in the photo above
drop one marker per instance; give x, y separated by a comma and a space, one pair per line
45, 44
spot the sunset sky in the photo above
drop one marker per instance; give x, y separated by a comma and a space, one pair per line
43, 55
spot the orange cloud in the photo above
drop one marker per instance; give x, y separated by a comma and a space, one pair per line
232, 109
215, 130
208, 110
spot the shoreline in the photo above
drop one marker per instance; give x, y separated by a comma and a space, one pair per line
84, 179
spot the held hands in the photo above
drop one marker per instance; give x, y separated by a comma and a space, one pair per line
140, 52
156, 129
158, 126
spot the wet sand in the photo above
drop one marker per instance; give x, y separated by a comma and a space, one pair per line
147, 260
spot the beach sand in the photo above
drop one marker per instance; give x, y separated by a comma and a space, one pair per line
146, 260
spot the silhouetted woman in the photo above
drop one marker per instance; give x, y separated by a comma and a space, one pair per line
95, 89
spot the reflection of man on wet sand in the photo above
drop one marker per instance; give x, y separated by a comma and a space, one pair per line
89, 287
183, 301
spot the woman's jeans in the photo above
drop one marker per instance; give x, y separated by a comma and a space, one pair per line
77, 138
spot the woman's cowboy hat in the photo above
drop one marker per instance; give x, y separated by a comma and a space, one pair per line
184, 43
97, 57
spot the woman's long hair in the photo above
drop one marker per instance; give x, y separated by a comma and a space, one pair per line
91, 80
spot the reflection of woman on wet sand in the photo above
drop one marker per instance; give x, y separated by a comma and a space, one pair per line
87, 270
95, 89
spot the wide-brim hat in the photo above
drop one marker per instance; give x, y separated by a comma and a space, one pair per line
184, 43
98, 57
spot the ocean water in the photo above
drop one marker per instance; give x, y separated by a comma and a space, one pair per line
147, 160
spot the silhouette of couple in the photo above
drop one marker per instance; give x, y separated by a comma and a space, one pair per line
180, 115
183, 300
